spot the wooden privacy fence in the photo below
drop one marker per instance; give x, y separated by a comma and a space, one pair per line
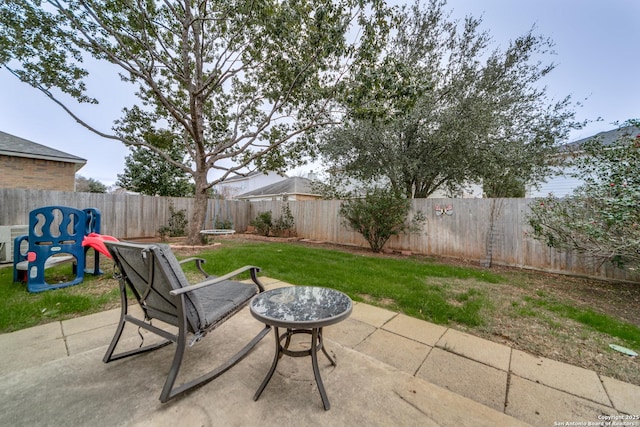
487, 231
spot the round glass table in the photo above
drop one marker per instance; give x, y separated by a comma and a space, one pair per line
301, 310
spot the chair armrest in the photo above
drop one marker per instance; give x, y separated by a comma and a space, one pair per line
199, 262
219, 279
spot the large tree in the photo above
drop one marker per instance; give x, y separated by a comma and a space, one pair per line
601, 217
89, 185
441, 110
148, 173
239, 83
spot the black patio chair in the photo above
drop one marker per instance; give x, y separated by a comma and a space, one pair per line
156, 280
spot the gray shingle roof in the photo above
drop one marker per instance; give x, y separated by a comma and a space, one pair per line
609, 137
294, 185
15, 146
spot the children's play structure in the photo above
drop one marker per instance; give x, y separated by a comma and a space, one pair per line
58, 234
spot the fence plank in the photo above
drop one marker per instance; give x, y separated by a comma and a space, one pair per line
482, 230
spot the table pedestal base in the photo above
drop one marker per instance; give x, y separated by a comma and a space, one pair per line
316, 345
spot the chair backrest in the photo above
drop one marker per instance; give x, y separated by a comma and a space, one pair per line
151, 271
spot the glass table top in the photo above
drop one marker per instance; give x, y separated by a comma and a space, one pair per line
301, 306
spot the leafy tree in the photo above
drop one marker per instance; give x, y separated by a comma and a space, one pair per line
89, 185
601, 217
380, 214
503, 186
148, 173
440, 110
239, 84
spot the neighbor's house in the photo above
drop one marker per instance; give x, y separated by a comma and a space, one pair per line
25, 164
231, 188
564, 183
290, 189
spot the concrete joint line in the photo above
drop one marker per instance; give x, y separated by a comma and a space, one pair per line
604, 387
506, 394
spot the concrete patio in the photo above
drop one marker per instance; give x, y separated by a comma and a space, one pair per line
392, 370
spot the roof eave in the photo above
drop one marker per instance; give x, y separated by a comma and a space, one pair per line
77, 160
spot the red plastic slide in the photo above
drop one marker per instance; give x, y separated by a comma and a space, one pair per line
96, 241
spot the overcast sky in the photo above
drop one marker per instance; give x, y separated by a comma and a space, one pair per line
597, 45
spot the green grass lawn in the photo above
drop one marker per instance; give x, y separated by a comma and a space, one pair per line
416, 286
399, 284
21, 309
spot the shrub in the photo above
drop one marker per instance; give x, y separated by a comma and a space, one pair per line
177, 224
284, 225
379, 215
223, 224
263, 223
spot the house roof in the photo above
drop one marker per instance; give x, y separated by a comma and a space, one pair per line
608, 137
243, 177
294, 185
11, 145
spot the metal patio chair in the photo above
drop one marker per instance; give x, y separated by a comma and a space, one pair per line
155, 279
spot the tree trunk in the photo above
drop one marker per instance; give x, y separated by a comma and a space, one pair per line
199, 212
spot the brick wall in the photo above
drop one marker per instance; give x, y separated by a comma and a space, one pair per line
36, 174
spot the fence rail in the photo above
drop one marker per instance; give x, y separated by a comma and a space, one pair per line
488, 231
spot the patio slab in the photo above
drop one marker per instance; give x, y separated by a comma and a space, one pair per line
81, 390
415, 329
540, 405
481, 350
395, 350
349, 332
624, 396
465, 377
374, 316
572, 379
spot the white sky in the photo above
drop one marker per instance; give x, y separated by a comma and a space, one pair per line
597, 52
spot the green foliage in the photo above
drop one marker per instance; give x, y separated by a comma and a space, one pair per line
379, 215
177, 224
235, 85
284, 225
89, 185
147, 172
263, 223
439, 109
266, 225
223, 224
503, 186
601, 217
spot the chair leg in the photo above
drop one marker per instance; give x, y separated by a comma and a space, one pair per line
116, 337
124, 318
168, 392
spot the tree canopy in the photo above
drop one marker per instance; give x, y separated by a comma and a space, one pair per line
89, 185
146, 172
601, 217
239, 84
440, 110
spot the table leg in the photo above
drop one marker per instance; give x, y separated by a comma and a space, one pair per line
287, 341
333, 362
276, 357
316, 369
